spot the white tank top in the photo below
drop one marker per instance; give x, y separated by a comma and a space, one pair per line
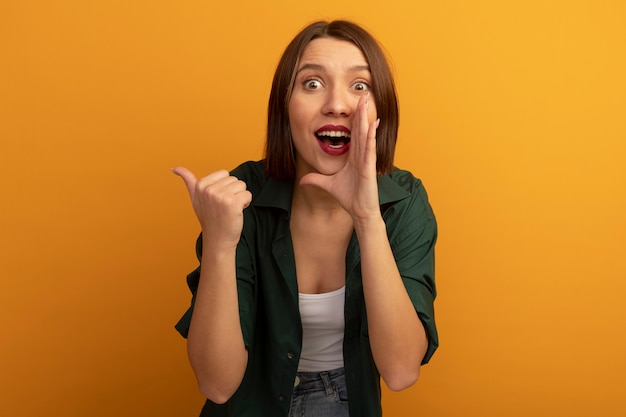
322, 331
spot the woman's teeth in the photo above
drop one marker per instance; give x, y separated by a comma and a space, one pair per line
333, 134
333, 138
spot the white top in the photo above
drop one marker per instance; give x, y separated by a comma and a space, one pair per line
322, 331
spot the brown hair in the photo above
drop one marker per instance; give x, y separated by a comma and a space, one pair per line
279, 152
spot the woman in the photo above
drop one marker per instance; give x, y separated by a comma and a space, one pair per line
317, 263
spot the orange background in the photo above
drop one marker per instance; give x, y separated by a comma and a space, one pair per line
513, 114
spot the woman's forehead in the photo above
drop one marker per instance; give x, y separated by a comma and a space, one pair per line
325, 52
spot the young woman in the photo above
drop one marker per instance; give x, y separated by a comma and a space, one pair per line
317, 263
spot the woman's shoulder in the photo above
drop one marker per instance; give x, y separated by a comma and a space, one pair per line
252, 173
400, 186
406, 180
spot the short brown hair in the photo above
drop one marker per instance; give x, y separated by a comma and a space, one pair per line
279, 152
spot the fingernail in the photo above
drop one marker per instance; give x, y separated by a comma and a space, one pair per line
377, 122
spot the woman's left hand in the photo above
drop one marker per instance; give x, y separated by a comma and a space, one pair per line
355, 186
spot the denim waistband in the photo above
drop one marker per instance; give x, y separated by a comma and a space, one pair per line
317, 380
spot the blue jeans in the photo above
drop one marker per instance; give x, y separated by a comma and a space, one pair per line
320, 394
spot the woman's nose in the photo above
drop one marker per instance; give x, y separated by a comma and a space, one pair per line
338, 103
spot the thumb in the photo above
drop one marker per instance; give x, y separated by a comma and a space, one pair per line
188, 178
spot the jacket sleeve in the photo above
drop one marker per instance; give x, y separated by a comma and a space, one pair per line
412, 231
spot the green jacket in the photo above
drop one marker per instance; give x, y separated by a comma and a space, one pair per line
268, 293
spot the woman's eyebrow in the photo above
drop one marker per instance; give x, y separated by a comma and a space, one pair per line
358, 68
318, 67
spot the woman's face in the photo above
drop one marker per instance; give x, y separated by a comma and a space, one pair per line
331, 77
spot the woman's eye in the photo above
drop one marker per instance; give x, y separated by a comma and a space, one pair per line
361, 86
312, 84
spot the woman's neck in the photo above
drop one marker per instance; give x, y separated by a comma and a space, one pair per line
315, 201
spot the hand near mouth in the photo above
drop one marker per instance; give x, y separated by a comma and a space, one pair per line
355, 186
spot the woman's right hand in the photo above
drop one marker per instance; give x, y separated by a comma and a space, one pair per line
218, 200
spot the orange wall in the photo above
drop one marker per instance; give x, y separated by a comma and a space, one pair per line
512, 113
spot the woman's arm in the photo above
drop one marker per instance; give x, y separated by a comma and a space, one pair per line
397, 336
215, 342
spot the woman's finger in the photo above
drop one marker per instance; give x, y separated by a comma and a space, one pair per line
370, 147
188, 178
218, 178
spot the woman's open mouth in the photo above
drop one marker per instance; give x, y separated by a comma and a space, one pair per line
334, 140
